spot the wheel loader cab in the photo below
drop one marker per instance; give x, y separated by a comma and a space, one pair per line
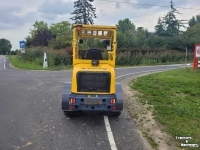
93, 86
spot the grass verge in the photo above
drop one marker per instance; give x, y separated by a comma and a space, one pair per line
175, 96
21, 64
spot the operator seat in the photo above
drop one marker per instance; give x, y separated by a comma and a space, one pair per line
94, 54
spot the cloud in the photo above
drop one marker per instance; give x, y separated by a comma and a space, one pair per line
51, 9
9, 17
117, 5
14, 17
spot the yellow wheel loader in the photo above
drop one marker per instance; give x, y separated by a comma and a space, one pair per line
93, 86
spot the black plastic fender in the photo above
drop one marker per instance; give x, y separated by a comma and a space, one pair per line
65, 96
119, 94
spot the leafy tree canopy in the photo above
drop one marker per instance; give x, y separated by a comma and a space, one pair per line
194, 31
5, 46
194, 20
60, 28
125, 25
125, 36
37, 26
42, 37
63, 35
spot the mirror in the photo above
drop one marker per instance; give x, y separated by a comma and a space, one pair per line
109, 48
106, 42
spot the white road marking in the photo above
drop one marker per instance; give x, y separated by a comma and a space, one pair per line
144, 72
110, 135
148, 66
4, 64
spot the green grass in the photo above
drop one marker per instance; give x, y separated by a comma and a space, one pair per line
21, 64
175, 96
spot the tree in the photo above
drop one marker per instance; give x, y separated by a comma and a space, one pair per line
194, 20
37, 26
142, 38
198, 18
160, 28
5, 46
61, 41
192, 36
125, 36
60, 28
62, 33
169, 24
125, 25
29, 41
42, 37
84, 12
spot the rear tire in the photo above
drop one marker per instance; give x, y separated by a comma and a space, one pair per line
113, 114
116, 114
72, 113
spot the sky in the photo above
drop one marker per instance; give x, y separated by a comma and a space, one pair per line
18, 16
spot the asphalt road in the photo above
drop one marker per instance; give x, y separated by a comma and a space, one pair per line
31, 117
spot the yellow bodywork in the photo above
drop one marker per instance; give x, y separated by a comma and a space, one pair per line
100, 32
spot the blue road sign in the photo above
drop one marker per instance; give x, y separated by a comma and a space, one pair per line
22, 44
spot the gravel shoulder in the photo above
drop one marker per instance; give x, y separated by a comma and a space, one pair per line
152, 133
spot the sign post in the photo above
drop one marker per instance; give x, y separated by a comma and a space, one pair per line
22, 47
196, 55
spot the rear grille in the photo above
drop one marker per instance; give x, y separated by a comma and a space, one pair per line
93, 82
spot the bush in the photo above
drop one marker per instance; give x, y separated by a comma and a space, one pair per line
13, 53
125, 57
137, 57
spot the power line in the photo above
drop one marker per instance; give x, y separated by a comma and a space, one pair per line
145, 4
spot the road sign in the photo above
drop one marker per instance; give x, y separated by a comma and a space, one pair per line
197, 51
196, 56
22, 44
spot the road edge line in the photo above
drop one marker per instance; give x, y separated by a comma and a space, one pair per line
110, 134
5, 64
156, 70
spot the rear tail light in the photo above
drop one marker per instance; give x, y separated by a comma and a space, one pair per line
112, 100
70, 107
72, 101
114, 107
